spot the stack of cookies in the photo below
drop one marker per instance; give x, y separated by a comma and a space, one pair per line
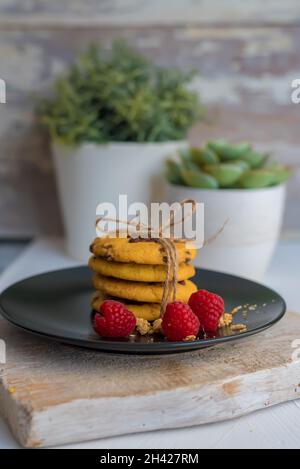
133, 271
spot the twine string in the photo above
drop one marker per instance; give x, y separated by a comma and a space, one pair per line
168, 246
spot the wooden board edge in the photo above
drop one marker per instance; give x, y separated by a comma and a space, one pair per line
17, 416
91, 419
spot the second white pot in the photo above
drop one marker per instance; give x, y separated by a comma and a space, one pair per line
93, 174
246, 244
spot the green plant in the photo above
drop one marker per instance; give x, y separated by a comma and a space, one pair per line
119, 96
220, 164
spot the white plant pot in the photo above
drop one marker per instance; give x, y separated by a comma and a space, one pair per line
246, 244
93, 174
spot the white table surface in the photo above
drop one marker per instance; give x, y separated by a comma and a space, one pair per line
276, 427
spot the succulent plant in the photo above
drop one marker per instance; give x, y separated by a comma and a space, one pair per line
220, 164
120, 96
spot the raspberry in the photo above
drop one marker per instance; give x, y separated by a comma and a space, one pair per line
114, 320
179, 322
208, 307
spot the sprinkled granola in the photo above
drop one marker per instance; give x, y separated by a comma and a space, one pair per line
143, 326
156, 327
238, 327
226, 320
190, 338
236, 310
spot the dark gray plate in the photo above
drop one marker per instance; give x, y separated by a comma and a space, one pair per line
56, 305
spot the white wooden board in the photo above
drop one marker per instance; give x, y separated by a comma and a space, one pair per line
51, 394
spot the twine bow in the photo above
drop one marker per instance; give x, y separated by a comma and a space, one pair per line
168, 245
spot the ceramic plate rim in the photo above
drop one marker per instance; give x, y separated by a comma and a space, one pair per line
116, 346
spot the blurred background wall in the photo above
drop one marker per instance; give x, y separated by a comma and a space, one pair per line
247, 54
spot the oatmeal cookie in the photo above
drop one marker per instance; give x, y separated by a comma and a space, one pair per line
138, 251
137, 272
141, 291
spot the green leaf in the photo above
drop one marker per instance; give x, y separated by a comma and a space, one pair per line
202, 156
257, 179
229, 152
174, 172
226, 174
199, 180
255, 159
281, 173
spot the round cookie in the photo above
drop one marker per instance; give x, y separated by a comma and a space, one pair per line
137, 272
141, 291
138, 251
148, 311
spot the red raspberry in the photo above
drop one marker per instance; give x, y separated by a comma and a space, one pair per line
208, 307
179, 322
114, 320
